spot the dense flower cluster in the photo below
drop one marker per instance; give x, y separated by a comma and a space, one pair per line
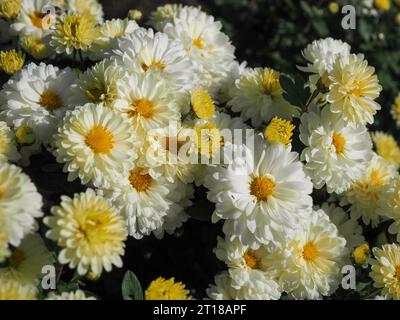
153, 114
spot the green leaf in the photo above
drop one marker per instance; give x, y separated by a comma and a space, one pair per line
131, 288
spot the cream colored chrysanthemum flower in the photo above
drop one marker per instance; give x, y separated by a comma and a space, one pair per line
321, 55
386, 270
90, 232
32, 20
109, 31
96, 144
336, 154
260, 194
38, 99
144, 201
250, 265
258, 97
314, 259
353, 89
364, 195
27, 260
167, 289
73, 295
13, 290
387, 147
147, 101
164, 14
93, 8
279, 131
389, 206
73, 34
9, 9
97, 84
35, 46
11, 61
20, 203
348, 228
8, 150
395, 110
4, 251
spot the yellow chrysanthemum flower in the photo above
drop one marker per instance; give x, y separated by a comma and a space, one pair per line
202, 104
13, 290
387, 147
74, 32
34, 46
386, 270
9, 9
361, 254
279, 131
11, 61
395, 110
90, 232
167, 289
382, 5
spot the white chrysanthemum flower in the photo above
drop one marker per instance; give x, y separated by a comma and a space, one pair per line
143, 201
13, 290
256, 290
37, 98
8, 150
348, 228
389, 205
147, 101
336, 154
386, 270
97, 84
92, 7
206, 44
314, 259
164, 14
27, 260
261, 193
90, 232
258, 97
176, 215
96, 144
19, 202
227, 85
72, 295
32, 20
321, 55
167, 153
145, 51
247, 264
109, 31
353, 89
365, 194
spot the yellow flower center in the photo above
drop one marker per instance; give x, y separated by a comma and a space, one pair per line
202, 104
166, 289
270, 82
199, 43
9, 9
37, 19
262, 188
251, 259
156, 64
50, 100
361, 254
11, 61
100, 140
279, 131
140, 181
376, 178
16, 258
397, 273
310, 252
25, 135
143, 107
339, 142
209, 138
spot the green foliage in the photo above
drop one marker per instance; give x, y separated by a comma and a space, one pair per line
131, 288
